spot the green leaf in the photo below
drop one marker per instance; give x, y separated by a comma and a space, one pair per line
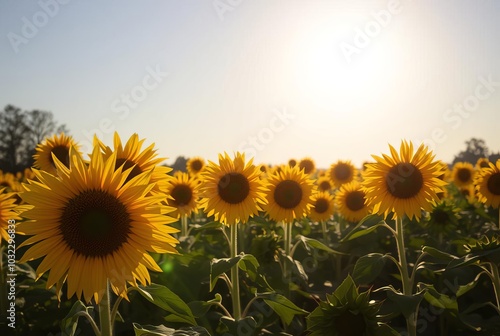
309, 242
465, 288
70, 322
210, 226
150, 330
368, 221
368, 268
439, 300
364, 232
407, 304
200, 308
219, 266
169, 301
244, 326
249, 264
285, 308
445, 257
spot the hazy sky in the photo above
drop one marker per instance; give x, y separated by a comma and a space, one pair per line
328, 80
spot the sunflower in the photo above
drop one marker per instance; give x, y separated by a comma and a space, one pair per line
183, 191
324, 184
321, 206
351, 202
58, 146
443, 218
10, 183
347, 312
468, 192
292, 162
404, 182
138, 161
9, 211
463, 174
232, 190
263, 169
289, 194
90, 227
195, 165
341, 172
307, 164
482, 163
487, 184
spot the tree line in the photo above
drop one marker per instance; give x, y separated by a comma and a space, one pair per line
20, 132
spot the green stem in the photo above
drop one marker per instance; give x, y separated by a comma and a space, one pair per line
287, 241
325, 233
235, 290
104, 314
184, 226
496, 282
405, 279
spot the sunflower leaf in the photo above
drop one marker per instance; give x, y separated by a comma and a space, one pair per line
169, 301
285, 308
445, 257
310, 242
368, 221
244, 326
249, 264
407, 304
150, 330
70, 322
368, 268
439, 300
200, 308
219, 266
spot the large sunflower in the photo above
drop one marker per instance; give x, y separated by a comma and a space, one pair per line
321, 206
232, 190
351, 202
463, 174
183, 191
89, 226
57, 145
308, 165
195, 165
9, 211
138, 160
341, 172
289, 194
488, 185
404, 182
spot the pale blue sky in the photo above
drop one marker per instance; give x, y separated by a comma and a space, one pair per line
278, 79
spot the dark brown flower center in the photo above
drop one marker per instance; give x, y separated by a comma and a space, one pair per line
62, 154
233, 188
440, 217
494, 184
196, 165
292, 163
324, 186
321, 205
307, 166
288, 194
464, 175
342, 172
95, 223
355, 200
127, 164
404, 180
182, 195
350, 324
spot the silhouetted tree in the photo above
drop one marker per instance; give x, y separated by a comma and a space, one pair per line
20, 132
476, 148
179, 164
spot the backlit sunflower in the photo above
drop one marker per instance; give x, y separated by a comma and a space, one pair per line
321, 206
403, 183
232, 190
341, 172
350, 200
308, 165
59, 146
195, 165
482, 163
443, 218
9, 210
9, 182
462, 174
487, 184
138, 160
289, 194
324, 184
183, 191
90, 227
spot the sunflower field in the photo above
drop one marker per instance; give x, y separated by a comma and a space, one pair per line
114, 243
